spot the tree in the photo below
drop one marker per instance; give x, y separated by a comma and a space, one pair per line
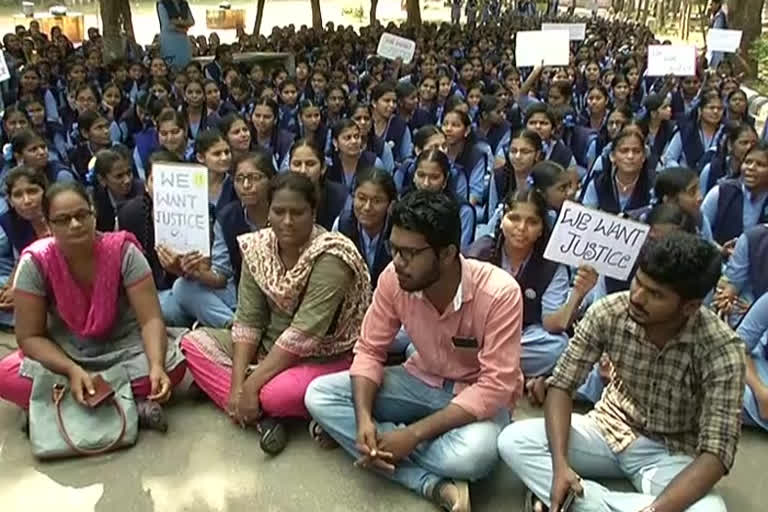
413, 11
118, 25
259, 17
745, 15
372, 14
317, 16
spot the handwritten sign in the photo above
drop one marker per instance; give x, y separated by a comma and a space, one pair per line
391, 47
180, 203
583, 236
673, 59
576, 31
723, 40
534, 46
5, 73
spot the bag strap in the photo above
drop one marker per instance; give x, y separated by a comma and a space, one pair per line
58, 394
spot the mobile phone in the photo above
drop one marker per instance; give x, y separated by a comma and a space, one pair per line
103, 392
566, 506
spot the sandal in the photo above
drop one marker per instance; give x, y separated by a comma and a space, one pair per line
462, 503
274, 437
152, 416
321, 437
529, 505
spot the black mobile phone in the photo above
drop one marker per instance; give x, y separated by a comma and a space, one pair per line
464, 342
566, 506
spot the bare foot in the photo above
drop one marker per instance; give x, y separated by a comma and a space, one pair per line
454, 496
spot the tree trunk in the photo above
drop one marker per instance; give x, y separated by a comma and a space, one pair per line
413, 11
259, 17
743, 15
660, 21
118, 25
317, 16
372, 14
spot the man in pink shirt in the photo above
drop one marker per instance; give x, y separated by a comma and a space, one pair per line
430, 424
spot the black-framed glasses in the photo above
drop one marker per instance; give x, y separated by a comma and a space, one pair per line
406, 253
65, 220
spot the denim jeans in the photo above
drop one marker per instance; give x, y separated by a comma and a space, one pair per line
212, 307
646, 463
464, 453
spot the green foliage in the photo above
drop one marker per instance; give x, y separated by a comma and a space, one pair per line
759, 52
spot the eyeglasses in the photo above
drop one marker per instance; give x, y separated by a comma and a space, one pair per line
240, 179
406, 253
65, 220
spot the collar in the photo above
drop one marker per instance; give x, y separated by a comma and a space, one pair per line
752, 196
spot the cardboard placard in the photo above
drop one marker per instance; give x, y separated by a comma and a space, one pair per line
576, 31
672, 59
180, 205
550, 46
585, 236
5, 73
391, 47
723, 40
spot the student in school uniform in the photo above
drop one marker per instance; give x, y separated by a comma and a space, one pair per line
469, 157
114, 185
267, 134
388, 126
629, 186
493, 129
94, 134
726, 164
362, 115
522, 154
754, 331
657, 121
736, 205
549, 306
540, 118
367, 223
696, 141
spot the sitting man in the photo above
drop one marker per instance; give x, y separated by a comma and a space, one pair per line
430, 424
670, 418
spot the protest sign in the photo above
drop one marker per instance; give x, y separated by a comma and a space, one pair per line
180, 205
584, 236
723, 40
5, 74
671, 59
576, 31
534, 46
391, 47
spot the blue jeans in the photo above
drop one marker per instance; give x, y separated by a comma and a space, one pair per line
212, 307
464, 453
646, 463
172, 312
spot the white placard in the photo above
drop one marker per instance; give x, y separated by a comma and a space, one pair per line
5, 73
576, 31
584, 236
534, 46
671, 59
180, 204
723, 40
391, 47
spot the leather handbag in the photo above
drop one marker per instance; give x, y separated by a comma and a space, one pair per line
60, 427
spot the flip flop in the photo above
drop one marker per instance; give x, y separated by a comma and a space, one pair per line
274, 437
152, 416
321, 437
462, 503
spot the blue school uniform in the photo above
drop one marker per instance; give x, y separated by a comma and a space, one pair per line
333, 198
279, 147
545, 288
715, 172
107, 206
473, 163
374, 250
398, 136
690, 147
745, 269
405, 173
498, 139
754, 331
731, 209
15, 235
602, 193
336, 172
289, 118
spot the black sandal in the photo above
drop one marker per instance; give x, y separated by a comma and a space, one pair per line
152, 416
274, 437
321, 437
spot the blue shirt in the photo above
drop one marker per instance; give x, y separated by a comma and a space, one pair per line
591, 199
737, 269
370, 246
674, 156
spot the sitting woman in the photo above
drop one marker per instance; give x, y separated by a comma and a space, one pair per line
21, 225
114, 186
303, 293
31, 150
433, 172
207, 289
307, 159
754, 331
85, 302
348, 157
548, 307
367, 222
94, 133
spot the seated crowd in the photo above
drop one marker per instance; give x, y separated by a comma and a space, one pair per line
377, 259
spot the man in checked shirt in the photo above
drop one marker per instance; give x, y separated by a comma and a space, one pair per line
670, 418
